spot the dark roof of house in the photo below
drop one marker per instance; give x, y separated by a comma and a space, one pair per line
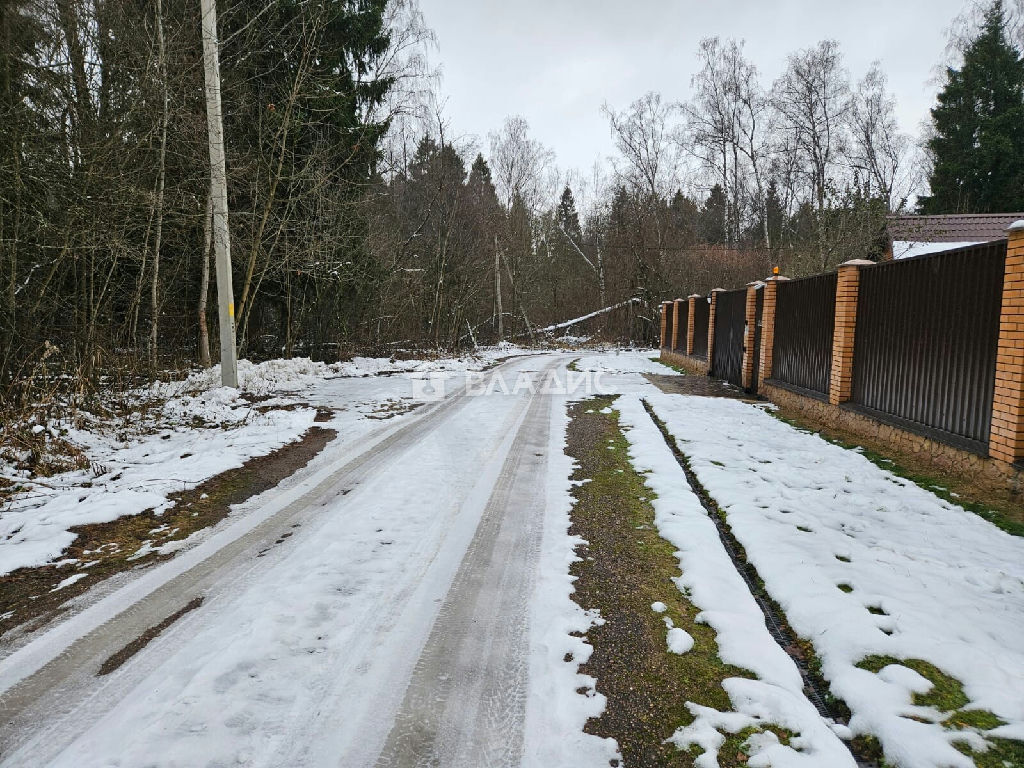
952, 228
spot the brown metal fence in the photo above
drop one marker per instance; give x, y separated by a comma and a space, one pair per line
701, 316
667, 309
758, 316
926, 341
730, 318
684, 311
805, 314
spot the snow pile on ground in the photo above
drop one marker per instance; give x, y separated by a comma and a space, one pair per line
376, 366
623, 361
254, 378
711, 583
297, 374
135, 466
679, 640
865, 563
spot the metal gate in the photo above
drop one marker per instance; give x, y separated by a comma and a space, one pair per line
730, 318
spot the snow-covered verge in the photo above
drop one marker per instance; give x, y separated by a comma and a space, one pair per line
712, 584
180, 433
866, 564
623, 361
298, 374
555, 712
135, 462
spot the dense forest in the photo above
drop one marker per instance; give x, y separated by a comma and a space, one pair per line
362, 220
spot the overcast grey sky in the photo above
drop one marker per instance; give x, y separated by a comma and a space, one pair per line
557, 61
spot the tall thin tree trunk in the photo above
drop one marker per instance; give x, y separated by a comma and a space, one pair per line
154, 296
204, 284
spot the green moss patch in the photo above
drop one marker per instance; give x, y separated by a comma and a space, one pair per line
947, 695
624, 568
1001, 753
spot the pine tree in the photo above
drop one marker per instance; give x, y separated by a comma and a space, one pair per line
978, 146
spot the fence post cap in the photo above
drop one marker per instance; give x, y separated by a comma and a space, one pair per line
776, 279
718, 290
755, 284
857, 263
1017, 226
694, 296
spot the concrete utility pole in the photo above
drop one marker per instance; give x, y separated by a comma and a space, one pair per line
497, 291
219, 195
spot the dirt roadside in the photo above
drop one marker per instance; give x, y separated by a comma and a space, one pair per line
32, 597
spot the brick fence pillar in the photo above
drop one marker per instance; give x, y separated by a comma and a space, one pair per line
771, 288
841, 384
1006, 442
750, 334
664, 321
675, 324
711, 326
691, 311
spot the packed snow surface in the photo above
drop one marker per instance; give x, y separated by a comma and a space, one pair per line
866, 563
199, 429
712, 584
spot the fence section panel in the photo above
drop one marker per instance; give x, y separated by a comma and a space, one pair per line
701, 317
730, 318
684, 311
926, 342
805, 315
755, 382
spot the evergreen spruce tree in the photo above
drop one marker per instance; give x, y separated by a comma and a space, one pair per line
480, 186
978, 146
684, 219
713, 216
568, 218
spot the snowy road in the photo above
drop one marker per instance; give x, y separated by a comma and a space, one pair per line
317, 616
405, 600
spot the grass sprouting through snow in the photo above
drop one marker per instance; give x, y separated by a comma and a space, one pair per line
625, 567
